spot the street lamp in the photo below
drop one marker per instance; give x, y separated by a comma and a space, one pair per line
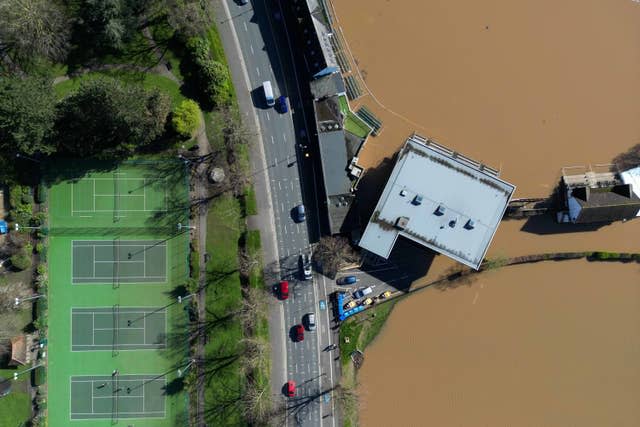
184, 298
22, 156
190, 227
182, 371
17, 300
16, 374
17, 227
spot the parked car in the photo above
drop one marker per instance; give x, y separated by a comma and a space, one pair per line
282, 104
283, 289
368, 301
384, 295
311, 321
350, 305
291, 388
299, 213
362, 292
305, 263
347, 280
299, 333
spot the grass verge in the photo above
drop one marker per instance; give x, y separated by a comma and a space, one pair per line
15, 409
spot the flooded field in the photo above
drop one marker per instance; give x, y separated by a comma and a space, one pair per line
552, 344
527, 87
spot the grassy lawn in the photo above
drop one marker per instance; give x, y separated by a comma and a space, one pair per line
344, 104
356, 126
147, 80
224, 382
250, 203
15, 409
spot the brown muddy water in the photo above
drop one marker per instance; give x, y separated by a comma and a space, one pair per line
551, 344
528, 87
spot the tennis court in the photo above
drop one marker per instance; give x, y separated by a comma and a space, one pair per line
121, 261
119, 195
117, 396
119, 328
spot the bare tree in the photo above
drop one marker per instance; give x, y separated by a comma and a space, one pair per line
255, 354
34, 28
628, 160
332, 252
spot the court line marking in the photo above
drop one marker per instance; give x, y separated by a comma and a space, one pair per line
93, 326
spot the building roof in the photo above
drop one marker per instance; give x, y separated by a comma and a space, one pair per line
632, 177
18, 351
329, 85
602, 204
326, 62
441, 200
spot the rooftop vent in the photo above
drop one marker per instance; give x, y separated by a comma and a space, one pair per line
403, 192
440, 210
453, 222
402, 222
470, 225
417, 200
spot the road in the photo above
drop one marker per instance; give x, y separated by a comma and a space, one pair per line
258, 31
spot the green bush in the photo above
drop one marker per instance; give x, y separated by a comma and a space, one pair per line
21, 202
39, 376
41, 269
39, 247
41, 194
21, 260
186, 118
210, 77
43, 253
28, 248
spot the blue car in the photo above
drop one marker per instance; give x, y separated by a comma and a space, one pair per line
281, 104
347, 280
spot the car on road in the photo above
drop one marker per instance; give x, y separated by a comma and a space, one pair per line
347, 280
283, 289
291, 388
362, 292
368, 301
311, 321
350, 305
299, 333
299, 214
385, 295
305, 265
282, 106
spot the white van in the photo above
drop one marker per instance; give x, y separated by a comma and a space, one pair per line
268, 93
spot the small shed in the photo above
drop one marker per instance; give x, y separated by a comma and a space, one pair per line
4, 227
18, 351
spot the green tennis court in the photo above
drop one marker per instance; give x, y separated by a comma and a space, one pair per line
118, 194
121, 261
119, 328
117, 396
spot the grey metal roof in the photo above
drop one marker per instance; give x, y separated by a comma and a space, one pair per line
323, 32
439, 199
329, 85
333, 156
603, 204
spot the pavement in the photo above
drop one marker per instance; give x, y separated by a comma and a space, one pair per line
256, 43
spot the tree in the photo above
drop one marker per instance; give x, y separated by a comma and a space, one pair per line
189, 18
107, 23
186, 118
33, 29
333, 252
210, 77
21, 260
27, 113
108, 119
629, 159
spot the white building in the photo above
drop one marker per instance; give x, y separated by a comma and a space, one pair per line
441, 200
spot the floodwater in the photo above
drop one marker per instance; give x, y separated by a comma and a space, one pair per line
527, 87
551, 344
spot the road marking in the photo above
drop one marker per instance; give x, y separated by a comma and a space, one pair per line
269, 118
284, 137
245, 26
258, 70
279, 186
251, 47
273, 141
292, 188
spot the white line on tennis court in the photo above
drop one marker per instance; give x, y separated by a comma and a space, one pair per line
121, 380
143, 405
119, 262
92, 384
94, 194
119, 195
111, 329
144, 193
93, 326
124, 278
144, 327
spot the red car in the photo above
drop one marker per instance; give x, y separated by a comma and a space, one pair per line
299, 333
284, 289
291, 388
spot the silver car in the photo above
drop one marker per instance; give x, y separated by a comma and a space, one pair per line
305, 260
311, 321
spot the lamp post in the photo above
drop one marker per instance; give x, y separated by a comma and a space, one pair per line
181, 226
22, 156
183, 370
184, 298
17, 301
17, 227
17, 374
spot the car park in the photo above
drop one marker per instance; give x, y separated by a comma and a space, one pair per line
385, 295
362, 292
291, 388
347, 280
305, 263
299, 333
311, 321
368, 301
283, 289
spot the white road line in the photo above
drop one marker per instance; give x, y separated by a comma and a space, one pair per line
284, 137
273, 141
269, 119
258, 71
245, 26
251, 47
279, 186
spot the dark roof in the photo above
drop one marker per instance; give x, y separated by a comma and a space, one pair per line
606, 204
333, 156
327, 86
338, 207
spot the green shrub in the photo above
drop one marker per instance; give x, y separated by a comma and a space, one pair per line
41, 194
41, 269
43, 253
21, 202
186, 118
28, 248
39, 247
210, 77
39, 376
21, 260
